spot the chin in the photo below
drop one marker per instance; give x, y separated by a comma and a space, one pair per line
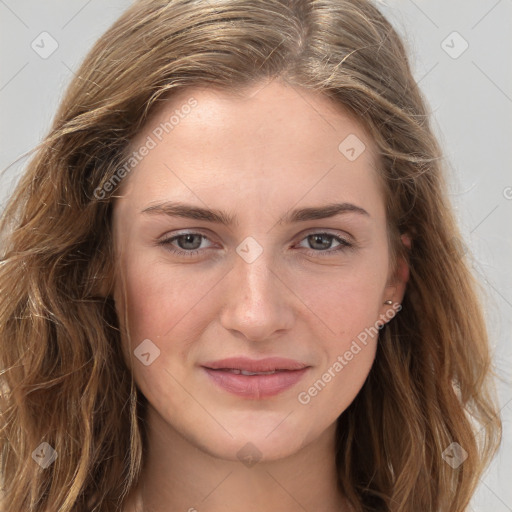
257, 436
251, 448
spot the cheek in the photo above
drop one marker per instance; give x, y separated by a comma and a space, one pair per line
157, 298
165, 305
349, 309
333, 387
159, 304
347, 304
343, 300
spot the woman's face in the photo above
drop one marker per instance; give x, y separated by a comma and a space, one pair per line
228, 262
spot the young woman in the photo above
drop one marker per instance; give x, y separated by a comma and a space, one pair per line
231, 278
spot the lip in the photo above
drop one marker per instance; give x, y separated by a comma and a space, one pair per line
288, 372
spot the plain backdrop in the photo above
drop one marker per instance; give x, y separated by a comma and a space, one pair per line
460, 52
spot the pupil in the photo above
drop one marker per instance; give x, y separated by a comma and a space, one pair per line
189, 239
322, 237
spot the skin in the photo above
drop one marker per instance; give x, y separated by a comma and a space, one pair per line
256, 156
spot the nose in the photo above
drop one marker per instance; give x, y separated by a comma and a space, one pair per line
259, 302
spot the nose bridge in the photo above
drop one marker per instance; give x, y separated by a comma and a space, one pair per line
256, 304
255, 278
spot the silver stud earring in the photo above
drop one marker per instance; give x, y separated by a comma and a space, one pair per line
389, 302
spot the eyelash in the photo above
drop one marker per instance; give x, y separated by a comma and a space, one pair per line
344, 245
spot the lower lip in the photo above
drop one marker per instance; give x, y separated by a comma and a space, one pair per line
256, 386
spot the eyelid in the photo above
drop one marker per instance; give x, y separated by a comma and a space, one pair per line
166, 242
308, 232
167, 238
344, 243
326, 231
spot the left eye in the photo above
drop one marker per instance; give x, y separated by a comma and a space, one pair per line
324, 240
189, 243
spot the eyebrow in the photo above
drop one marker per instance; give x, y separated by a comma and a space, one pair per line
177, 209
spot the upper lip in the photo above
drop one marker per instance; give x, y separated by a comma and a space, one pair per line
255, 365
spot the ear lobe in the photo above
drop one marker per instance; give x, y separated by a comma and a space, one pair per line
395, 289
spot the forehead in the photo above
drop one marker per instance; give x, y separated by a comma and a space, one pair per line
270, 141
255, 111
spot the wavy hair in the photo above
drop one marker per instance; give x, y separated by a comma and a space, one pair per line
63, 378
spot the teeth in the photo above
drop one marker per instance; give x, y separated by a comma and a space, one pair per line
245, 372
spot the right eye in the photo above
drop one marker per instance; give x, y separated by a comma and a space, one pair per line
184, 240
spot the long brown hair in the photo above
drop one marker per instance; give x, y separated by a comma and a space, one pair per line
63, 379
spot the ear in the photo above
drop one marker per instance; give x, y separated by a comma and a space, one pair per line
396, 286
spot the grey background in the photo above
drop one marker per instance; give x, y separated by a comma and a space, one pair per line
470, 96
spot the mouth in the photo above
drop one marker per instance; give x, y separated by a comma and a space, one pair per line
255, 379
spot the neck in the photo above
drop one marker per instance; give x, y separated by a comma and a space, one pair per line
177, 475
